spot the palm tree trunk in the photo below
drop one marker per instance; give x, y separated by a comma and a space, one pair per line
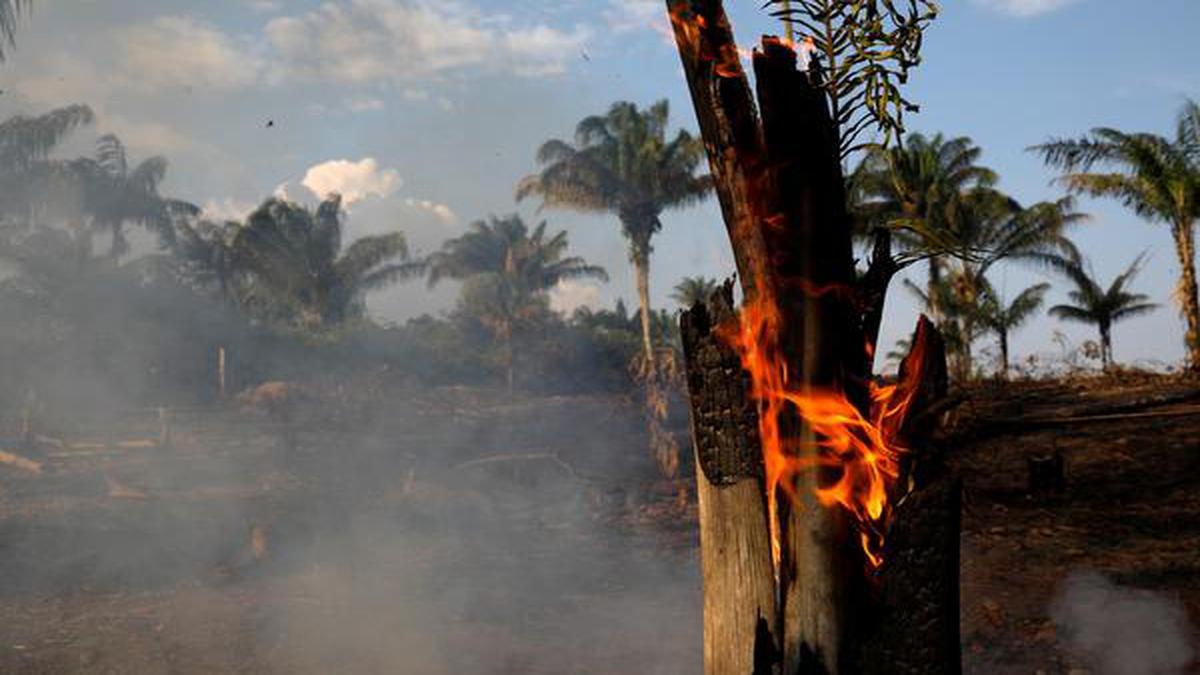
1004, 355
1105, 347
510, 359
931, 290
641, 267
1185, 247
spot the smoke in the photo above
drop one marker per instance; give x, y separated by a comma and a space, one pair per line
1122, 631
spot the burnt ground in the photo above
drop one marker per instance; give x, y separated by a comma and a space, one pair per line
465, 532
1130, 509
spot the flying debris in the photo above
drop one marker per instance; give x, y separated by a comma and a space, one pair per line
270, 123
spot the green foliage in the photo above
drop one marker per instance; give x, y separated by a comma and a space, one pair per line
1002, 317
622, 163
507, 273
292, 269
116, 194
944, 210
693, 290
1157, 178
10, 12
864, 50
1099, 306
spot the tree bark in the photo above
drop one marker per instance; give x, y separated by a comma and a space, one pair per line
1106, 357
1003, 354
1189, 298
641, 268
740, 615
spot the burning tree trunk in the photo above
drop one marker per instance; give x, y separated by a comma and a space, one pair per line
797, 447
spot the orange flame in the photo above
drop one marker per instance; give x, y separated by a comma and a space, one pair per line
726, 61
867, 449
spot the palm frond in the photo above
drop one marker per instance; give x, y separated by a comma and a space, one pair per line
10, 13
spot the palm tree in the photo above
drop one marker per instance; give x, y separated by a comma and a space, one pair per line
1003, 318
299, 271
622, 163
10, 11
118, 194
25, 143
1099, 306
1158, 178
208, 254
508, 272
910, 187
693, 290
976, 230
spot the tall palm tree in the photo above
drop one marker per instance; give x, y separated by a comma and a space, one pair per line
1002, 318
622, 163
1156, 177
299, 271
118, 194
911, 187
508, 273
1101, 307
693, 290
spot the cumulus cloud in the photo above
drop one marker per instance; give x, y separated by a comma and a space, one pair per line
570, 295
182, 51
1025, 8
440, 211
358, 41
354, 181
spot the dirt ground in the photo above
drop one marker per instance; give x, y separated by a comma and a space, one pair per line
462, 532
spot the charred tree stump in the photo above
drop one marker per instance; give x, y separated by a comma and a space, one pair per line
779, 180
740, 617
1047, 474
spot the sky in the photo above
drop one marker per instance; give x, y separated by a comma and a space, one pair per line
424, 114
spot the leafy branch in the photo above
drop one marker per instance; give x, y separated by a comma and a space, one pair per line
862, 51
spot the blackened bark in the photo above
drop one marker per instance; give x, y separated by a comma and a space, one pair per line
741, 623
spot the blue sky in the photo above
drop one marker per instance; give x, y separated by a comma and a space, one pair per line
429, 112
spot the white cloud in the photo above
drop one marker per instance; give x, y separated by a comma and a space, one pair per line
227, 208
568, 296
354, 181
627, 15
1025, 8
359, 41
266, 6
184, 52
365, 105
440, 211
